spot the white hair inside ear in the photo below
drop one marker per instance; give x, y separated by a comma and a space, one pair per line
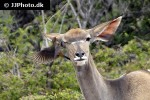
105, 31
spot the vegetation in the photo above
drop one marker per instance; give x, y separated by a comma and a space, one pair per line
21, 36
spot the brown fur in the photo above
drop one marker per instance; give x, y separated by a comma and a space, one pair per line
75, 34
132, 86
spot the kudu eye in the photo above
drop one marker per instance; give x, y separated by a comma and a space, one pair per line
62, 43
88, 38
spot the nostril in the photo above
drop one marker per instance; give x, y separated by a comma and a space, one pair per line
82, 53
77, 54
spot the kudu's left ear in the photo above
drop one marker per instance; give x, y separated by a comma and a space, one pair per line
105, 31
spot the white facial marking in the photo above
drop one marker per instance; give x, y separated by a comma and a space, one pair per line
78, 58
81, 41
88, 35
149, 70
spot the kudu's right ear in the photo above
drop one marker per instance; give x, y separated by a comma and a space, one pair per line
105, 31
53, 36
51, 53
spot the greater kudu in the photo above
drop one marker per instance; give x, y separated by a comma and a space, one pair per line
131, 86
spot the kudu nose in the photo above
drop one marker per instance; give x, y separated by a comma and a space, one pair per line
80, 54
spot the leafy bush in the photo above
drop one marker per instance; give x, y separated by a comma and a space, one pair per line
22, 79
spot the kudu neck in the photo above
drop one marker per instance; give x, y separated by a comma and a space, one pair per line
89, 68
92, 84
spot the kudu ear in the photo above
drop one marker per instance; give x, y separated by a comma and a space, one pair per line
51, 53
47, 54
53, 36
105, 31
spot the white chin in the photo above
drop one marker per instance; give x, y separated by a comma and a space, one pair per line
81, 63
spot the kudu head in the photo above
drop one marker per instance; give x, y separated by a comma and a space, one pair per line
77, 41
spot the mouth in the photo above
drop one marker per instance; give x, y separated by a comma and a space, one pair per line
80, 61
80, 58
